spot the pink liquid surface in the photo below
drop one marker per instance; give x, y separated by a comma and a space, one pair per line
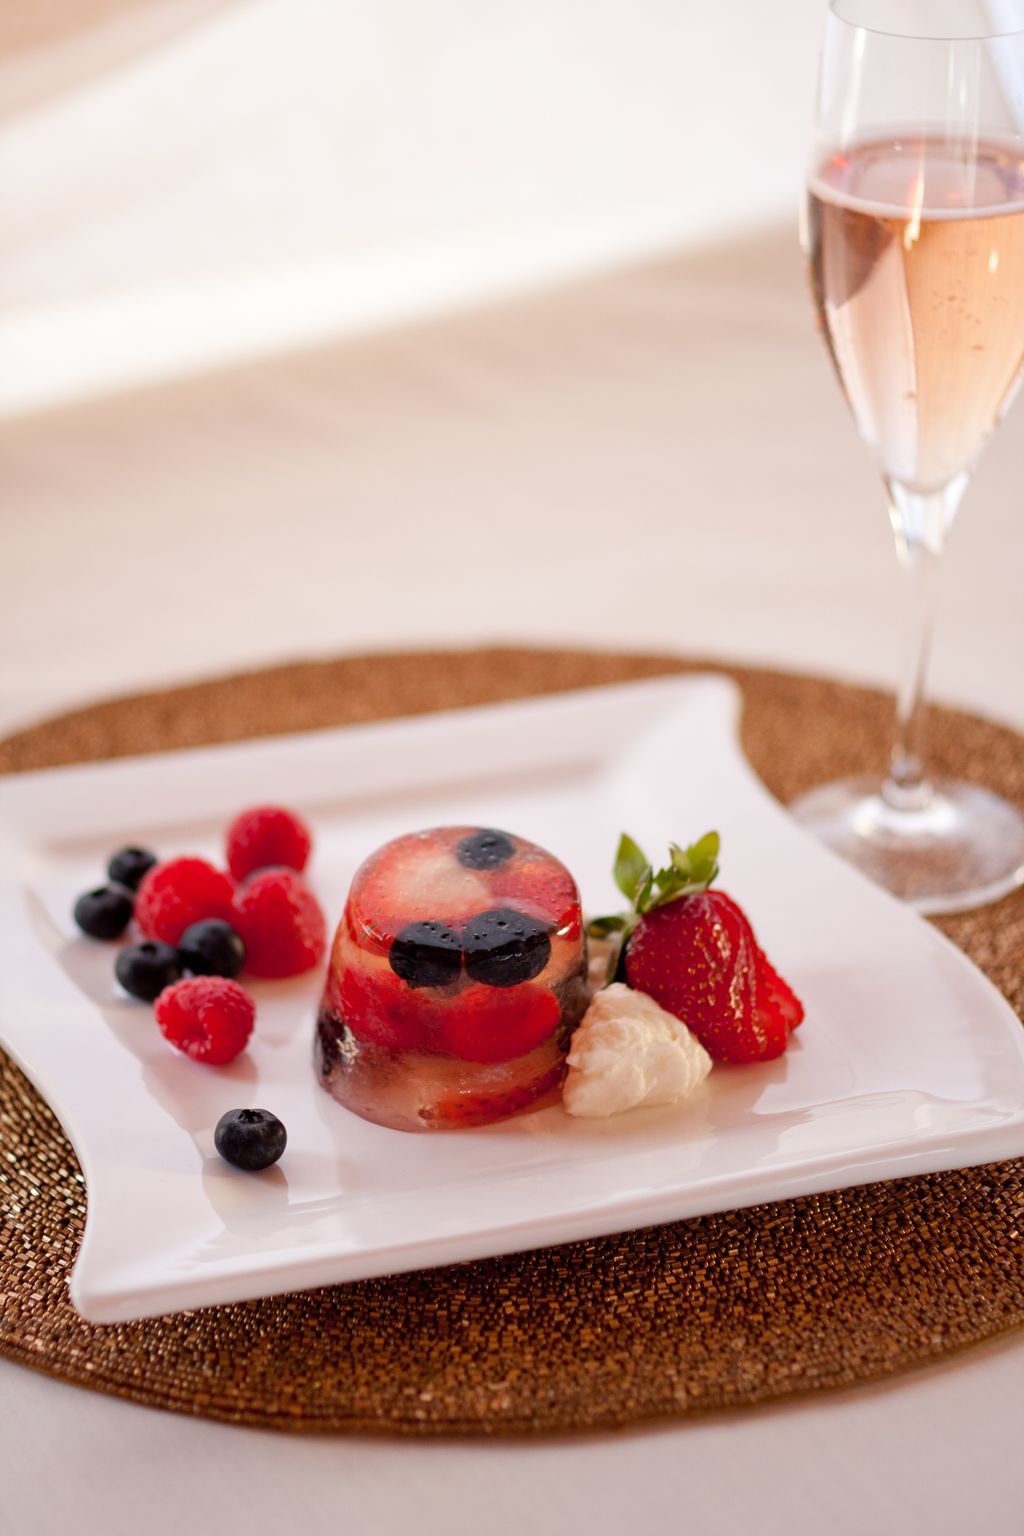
916, 259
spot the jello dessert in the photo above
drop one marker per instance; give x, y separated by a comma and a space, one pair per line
457, 976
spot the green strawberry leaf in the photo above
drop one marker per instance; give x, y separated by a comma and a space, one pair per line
645, 898
631, 866
691, 871
601, 927
697, 865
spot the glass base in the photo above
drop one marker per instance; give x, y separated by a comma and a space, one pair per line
961, 847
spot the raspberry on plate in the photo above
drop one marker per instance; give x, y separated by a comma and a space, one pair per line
265, 837
177, 894
281, 924
207, 1017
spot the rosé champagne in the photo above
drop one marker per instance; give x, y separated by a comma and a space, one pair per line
916, 261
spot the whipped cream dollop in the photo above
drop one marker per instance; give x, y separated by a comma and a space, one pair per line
628, 1051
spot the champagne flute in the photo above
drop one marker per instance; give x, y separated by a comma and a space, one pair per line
913, 229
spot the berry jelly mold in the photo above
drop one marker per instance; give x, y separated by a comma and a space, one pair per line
457, 976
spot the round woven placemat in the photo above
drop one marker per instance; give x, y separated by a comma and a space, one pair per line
716, 1313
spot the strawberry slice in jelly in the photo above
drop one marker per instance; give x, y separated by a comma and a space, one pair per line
466, 1109
481, 1024
380, 1010
414, 879
541, 890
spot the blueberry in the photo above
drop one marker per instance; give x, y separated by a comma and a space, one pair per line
503, 947
250, 1138
211, 948
105, 912
426, 954
145, 969
128, 865
486, 849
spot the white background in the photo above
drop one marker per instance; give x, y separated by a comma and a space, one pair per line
285, 169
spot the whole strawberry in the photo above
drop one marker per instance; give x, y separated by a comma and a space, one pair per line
693, 950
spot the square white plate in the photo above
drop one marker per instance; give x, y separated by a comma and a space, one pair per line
909, 1061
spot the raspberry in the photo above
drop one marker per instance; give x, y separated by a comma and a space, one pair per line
281, 924
207, 1017
174, 895
265, 836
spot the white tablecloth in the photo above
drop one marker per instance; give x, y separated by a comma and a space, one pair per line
657, 458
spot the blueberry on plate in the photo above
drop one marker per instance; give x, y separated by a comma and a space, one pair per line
211, 948
145, 969
486, 849
250, 1138
504, 947
426, 954
128, 865
105, 912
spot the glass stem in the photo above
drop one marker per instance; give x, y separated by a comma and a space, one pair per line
907, 787
920, 523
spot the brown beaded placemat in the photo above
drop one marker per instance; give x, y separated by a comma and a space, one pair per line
720, 1312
